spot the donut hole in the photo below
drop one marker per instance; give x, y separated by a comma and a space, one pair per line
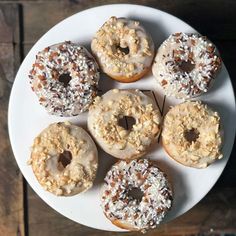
186, 66
191, 135
126, 122
65, 78
122, 50
64, 159
136, 193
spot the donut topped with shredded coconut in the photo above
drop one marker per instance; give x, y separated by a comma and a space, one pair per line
136, 212
186, 65
65, 78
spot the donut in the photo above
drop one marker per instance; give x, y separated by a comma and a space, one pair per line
103, 123
64, 159
192, 135
136, 195
186, 65
123, 49
65, 78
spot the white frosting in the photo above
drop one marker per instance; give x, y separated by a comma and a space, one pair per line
79, 173
65, 99
105, 113
202, 151
124, 33
181, 48
120, 207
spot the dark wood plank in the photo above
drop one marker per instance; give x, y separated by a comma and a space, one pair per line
213, 18
205, 217
9, 23
11, 185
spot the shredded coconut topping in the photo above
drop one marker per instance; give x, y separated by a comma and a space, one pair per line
73, 178
105, 113
117, 33
192, 116
186, 65
65, 59
118, 205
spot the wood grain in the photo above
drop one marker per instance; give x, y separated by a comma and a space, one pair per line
11, 187
9, 23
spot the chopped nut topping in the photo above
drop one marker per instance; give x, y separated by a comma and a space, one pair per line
119, 33
192, 116
73, 177
103, 120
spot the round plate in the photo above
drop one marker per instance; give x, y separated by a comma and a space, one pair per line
27, 118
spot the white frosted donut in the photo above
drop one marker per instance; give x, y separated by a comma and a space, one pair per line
64, 159
109, 45
191, 134
127, 208
186, 65
105, 114
65, 77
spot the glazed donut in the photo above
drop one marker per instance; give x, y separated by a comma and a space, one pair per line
136, 195
65, 79
64, 159
103, 123
191, 134
123, 49
186, 65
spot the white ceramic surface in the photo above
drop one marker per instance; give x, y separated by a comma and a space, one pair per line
27, 118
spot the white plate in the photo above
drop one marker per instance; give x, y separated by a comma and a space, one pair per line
27, 118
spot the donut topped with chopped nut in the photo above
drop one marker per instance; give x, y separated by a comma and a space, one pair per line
64, 159
186, 65
123, 49
192, 134
136, 195
65, 78
105, 114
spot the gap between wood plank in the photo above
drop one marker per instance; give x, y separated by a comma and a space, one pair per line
24, 182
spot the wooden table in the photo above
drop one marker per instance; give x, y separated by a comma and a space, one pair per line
22, 212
